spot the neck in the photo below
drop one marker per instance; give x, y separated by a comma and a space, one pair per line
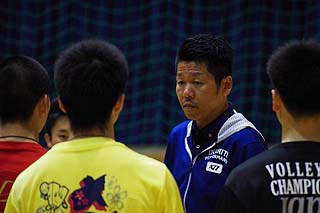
301, 130
16, 131
96, 132
213, 116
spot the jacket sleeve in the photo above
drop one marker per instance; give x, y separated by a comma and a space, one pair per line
248, 143
169, 154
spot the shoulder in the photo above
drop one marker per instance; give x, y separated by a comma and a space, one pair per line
180, 130
238, 128
248, 133
152, 172
247, 136
38, 150
25, 180
181, 126
250, 169
144, 162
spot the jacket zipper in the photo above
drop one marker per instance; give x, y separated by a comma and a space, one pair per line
189, 178
193, 161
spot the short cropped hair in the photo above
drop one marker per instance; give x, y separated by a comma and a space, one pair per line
215, 52
23, 81
89, 78
294, 71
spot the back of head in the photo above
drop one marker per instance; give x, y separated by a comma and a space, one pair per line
294, 71
89, 77
215, 52
23, 81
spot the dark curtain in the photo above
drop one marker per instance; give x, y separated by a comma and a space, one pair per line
149, 33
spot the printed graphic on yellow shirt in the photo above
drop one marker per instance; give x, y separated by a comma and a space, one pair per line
89, 194
55, 195
115, 196
93, 195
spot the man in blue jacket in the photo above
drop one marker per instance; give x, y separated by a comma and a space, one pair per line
203, 150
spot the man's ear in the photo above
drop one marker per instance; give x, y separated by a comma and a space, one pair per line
61, 106
276, 101
117, 108
44, 104
226, 85
119, 104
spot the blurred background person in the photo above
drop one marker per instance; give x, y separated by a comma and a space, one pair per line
57, 127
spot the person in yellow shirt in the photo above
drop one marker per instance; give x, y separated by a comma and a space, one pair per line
93, 172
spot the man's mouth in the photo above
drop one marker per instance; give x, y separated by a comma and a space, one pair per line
189, 105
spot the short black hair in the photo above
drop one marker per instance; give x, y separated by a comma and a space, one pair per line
294, 71
55, 114
89, 78
215, 52
23, 81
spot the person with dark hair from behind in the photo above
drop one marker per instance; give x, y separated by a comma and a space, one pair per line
203, 150
92, 172
24, 106
58, 128
285, 178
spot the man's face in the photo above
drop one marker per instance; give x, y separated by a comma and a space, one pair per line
198, 94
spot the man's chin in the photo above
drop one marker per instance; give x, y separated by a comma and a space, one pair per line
189, 115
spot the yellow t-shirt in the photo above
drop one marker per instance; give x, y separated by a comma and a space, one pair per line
94, 174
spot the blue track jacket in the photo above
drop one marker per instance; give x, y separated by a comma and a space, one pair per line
200, 178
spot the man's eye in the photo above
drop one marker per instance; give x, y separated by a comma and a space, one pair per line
197, 83
63, 137
180, 82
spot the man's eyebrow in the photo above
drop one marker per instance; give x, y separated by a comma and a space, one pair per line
195, 73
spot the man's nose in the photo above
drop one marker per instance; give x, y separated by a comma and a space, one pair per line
188, 91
